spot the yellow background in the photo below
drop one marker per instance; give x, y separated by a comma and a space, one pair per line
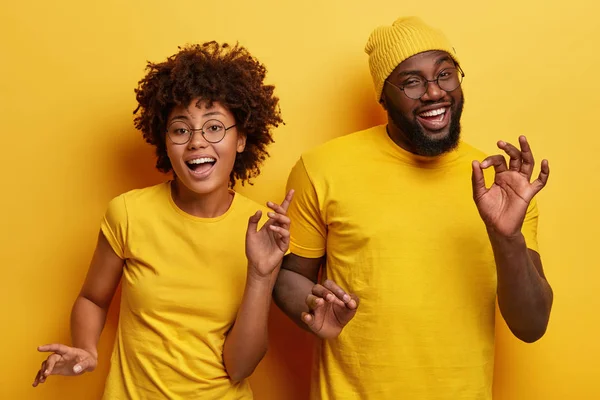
67, 73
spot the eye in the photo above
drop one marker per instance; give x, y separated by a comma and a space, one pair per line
447, 74
213, 127
181, 131
412, 82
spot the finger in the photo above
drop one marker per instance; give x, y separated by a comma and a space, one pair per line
288, 199
282, 231
344, 314
313, 302
497, 161
353, 303
52, 360
542, 179
282, 209
326, 294
253, 221
36, 381
57, 348
42, 373
81, 367
527, 156
478, 180
281, 219
277, 208
514, 163
309, 320
338, 291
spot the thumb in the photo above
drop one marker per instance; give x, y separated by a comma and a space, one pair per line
253, 221
83, 366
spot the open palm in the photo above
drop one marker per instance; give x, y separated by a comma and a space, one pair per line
265, 247
503, 206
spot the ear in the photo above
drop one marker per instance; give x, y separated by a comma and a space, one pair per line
382, 102
241, 142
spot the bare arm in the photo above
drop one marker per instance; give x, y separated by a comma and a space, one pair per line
87, 317
296, 279
524, 295
323, 309
91, 306
247, 341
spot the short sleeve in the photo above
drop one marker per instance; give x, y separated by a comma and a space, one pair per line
114, 225
308, 230
530, 225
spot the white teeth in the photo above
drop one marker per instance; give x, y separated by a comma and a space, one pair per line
201, 160
433, 113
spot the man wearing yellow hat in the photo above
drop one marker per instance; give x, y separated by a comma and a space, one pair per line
391, 216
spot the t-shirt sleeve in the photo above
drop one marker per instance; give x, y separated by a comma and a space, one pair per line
530, 224
114, 225
308, 230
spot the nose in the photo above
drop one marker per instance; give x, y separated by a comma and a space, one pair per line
433, 92
197, 141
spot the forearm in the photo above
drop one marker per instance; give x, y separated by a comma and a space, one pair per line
87, 322
524, 295
291, 290
247, 342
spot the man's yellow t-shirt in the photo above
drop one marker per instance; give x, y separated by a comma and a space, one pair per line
401, 232
183, 282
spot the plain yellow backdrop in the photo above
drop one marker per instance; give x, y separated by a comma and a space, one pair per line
67, 74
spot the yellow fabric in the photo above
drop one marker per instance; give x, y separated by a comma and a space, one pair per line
182, 285
403, 233
388, 46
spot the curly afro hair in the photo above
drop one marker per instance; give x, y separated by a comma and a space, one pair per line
226, 74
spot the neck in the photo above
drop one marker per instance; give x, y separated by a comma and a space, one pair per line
209, 205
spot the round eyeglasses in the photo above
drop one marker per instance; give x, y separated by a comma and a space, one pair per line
415, 86
212, 130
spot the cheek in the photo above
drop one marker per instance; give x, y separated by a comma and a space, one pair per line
173, 154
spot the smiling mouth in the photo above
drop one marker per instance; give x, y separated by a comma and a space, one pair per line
436, 115
200, 165
434, 120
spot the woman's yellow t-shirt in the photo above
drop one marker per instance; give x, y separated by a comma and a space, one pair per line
182, 285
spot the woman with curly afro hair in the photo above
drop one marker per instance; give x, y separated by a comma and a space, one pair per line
196, 260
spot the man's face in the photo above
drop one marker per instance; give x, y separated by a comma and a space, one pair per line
429, 125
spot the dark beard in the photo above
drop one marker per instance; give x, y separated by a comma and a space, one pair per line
423, 145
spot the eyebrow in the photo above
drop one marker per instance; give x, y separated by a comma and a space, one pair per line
437, 63
208, 114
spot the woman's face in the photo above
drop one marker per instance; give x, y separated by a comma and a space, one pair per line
200, 164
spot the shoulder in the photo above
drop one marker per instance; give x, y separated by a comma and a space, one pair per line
344, 149
143, 196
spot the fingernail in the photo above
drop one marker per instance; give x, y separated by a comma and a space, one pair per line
46, 372
346, 298
271, 214
77, 369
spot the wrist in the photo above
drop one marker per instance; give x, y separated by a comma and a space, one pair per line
92, 350
256, 278
503, 238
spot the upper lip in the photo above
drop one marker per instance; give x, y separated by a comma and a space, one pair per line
195, 156
434, 107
